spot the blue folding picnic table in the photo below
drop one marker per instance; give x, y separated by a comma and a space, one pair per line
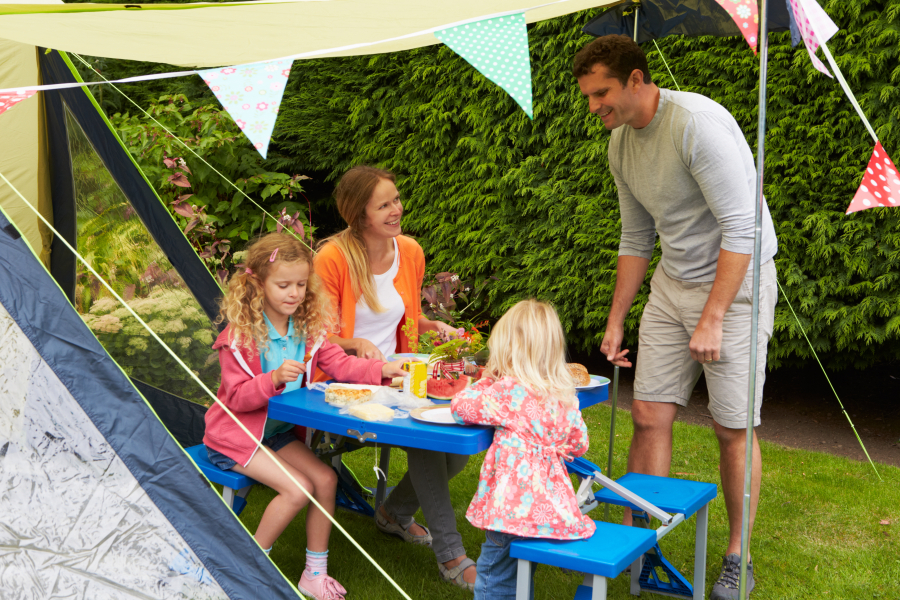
308, 408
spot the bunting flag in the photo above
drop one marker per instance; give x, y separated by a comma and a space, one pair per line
880, 185
746, 14
815, 26
498, 48
251, 94
10, 99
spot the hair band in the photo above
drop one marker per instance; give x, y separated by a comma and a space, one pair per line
248, 271
272, 258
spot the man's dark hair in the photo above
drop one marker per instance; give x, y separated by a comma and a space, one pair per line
618, 53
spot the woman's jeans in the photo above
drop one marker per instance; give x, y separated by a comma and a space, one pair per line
497, 570
427, 484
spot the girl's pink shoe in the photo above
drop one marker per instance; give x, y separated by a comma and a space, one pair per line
321, 588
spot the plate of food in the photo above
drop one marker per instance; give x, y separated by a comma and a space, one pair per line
584, 380
436, 415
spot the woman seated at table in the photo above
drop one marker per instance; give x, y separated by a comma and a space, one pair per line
374, 276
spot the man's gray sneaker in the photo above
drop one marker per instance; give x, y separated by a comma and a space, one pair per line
727, 586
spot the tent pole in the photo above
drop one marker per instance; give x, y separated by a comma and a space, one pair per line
754, 322
637, 9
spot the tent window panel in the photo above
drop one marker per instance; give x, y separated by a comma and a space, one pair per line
116, 243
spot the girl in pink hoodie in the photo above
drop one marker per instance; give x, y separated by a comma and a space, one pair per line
273, 308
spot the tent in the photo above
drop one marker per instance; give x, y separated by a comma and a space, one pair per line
99, 500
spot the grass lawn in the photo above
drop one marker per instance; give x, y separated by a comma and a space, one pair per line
818, 531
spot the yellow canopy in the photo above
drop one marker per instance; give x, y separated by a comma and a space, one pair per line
209, 35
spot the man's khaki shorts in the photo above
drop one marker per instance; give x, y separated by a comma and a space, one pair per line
665, 370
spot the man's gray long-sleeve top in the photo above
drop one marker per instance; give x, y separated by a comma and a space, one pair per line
690, 176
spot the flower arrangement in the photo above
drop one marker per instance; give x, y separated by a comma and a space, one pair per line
454, 346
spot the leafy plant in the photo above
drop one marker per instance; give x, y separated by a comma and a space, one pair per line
173, 314
486, 190
217, 212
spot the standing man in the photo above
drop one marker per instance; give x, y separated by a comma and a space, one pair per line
685, 172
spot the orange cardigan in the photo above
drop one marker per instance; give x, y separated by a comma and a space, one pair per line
333, 271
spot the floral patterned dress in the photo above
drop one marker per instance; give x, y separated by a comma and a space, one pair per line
524, 488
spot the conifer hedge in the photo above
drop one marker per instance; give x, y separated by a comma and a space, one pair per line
487, 191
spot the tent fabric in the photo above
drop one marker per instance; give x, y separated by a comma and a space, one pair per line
23, 151
62, 261
143, 198
227, 34
98, 500
660, 18
184, 419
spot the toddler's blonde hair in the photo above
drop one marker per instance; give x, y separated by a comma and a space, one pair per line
244, 301
528, 344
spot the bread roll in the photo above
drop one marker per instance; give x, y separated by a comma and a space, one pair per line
579, 374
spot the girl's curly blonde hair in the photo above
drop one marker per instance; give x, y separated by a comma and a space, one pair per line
244, 301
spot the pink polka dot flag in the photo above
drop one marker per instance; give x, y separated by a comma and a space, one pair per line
8, 100
746, 14
815, 26
251, 94
880, 185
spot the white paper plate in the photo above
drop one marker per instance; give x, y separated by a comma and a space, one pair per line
439, 416
596, 381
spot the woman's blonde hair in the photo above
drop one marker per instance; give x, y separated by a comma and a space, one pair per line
244, 301
352, 194
528, 344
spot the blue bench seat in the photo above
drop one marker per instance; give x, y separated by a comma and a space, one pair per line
613, 547
235, 486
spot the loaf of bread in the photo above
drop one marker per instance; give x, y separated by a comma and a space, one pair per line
372, 412
579, 374
339, 394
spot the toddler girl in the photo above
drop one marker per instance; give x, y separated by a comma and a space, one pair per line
274, 310
527, 394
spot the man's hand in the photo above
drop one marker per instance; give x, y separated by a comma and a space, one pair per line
707, 340
611, 347
290, 370
393, 369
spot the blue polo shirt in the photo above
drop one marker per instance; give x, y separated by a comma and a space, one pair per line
281, 348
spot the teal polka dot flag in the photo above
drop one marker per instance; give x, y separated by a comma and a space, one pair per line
498, 48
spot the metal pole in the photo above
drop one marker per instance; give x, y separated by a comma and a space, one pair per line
637, 9
754, 322
612, 432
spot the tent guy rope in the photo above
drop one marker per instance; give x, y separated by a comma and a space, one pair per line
196, 378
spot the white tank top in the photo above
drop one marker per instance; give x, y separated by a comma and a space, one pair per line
381, 328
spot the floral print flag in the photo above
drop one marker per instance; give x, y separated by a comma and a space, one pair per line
498, 48
8, 100
746, 14
815, 26
251, 94
880, 184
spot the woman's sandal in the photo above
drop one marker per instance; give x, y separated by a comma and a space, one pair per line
405, 534
455, 575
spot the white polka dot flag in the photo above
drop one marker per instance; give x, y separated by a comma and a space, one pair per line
251, 94
880, 185
8, 100
746, 14
816, 28
498, 48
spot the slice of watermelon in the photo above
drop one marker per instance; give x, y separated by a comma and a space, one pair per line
445, 389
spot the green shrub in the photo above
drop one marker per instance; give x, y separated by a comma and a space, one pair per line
490, 192
172, 313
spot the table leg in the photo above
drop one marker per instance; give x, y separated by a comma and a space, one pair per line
700, 552
523, 580
636, 568
384, 464
598, 589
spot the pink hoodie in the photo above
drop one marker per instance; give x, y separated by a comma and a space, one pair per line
246, 390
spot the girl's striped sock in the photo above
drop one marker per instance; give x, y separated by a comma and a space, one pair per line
316, 563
